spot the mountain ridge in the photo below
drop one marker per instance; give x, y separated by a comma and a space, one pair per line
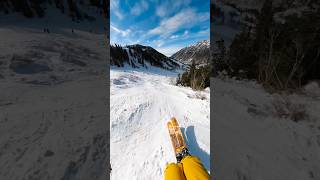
198, 52
138, 55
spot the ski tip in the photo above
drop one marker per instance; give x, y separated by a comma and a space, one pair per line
173, 118
172, 122
169, 124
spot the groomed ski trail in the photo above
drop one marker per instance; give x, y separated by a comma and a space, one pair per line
141, 104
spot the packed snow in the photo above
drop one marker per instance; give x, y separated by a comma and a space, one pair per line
142, 101
258, 135
52, 105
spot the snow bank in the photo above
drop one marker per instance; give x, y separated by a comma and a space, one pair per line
262, 136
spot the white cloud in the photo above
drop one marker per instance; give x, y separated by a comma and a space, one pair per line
181, 36
139, 7
204, 32
203, 16
161, 10
184, 19
185, 33
174, 36
169, 50
114, 8
179, 3
169, 6
123, 33
158, 42
172, 24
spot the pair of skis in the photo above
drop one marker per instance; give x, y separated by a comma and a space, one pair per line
179, 145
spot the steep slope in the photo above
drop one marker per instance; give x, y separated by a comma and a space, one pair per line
199, 52
141, 103
140, 56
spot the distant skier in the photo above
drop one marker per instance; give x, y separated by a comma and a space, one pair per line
187, 167
46, 30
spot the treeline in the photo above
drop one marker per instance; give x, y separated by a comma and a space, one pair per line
196, 77
36, 8
27, 8
279, 52
118, 55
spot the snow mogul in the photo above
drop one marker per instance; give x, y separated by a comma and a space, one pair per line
188, 167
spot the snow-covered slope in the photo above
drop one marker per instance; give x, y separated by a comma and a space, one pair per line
262, 136
52, 104
199, 52
142, 101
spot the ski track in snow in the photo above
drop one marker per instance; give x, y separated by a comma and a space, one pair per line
142, 101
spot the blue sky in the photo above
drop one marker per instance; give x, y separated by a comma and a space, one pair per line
166, 25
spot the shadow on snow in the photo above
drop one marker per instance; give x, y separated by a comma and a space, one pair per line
194, 147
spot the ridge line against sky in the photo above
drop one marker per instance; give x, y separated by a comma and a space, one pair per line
166, 25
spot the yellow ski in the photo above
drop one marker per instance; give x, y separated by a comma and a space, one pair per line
177, 140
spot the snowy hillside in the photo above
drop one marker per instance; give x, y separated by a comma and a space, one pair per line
141, 56
58, 16
260, 136
52, 103
142, 101
199, 52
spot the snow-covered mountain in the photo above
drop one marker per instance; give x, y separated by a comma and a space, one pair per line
231, 16
199, 52
140, 56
